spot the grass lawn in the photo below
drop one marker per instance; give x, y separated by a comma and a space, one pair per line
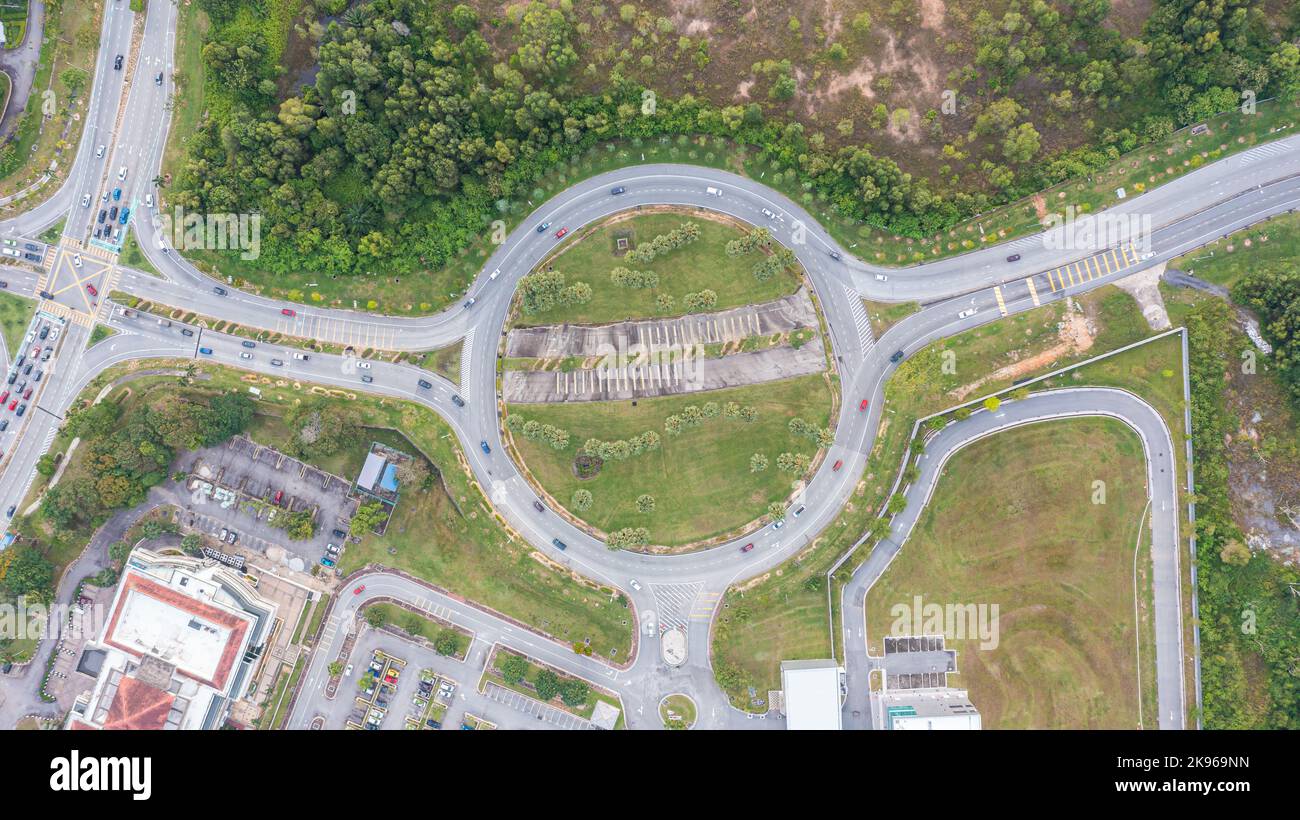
590, 256
132, 257
677, 712
445, 361
99, 334
884, 315
15, 315
701, 480
1058, 566
188, 97
782, 615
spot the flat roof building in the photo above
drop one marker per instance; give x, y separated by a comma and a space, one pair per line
931, 709
811, 694
181, 641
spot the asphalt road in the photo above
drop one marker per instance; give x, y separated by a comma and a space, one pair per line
1196, 208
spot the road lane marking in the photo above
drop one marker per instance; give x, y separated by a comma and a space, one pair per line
1033, 291
997, 294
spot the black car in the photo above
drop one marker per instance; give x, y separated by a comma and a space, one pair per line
542, 227
45, 331
835, 255
3, 284
4, 425
457, 400
158, 80
426, 385
220, 291
22, 408
27, 371
12, 508
112, 212
103, 214
559, 545
117, 62
897, 357
185, 331
1015, 257
537, 505
31, 257
340, 534
367, 379
616, 191
249, 344
12, 377
45, 294
29, 246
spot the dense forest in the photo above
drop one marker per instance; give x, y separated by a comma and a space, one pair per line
424, 119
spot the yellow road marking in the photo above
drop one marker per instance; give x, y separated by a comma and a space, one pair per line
1051, 281
1070, 273
997, 294
1033, 291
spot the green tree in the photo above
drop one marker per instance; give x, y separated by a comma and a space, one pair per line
513, 669
547, 684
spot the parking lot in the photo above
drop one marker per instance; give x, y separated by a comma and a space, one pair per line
241, 488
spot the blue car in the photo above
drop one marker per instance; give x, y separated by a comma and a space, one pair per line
486, 448
126, 214
117, 194
206, 351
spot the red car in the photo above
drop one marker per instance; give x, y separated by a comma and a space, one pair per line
863, 406
838, 464
288, 312
561, 232
91, 290
13, 404
36, 351
4, 397
359, 590
747, 548
279, 495
28, 394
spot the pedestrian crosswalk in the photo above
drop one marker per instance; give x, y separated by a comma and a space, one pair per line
466, 356
860, 320
65, 312
676, 603
1264, 152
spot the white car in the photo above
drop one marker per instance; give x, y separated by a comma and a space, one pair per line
495, 273
711, 191
880, 277
148, 200
632, 583
245, 355
76, 259
768, 214
85, 201
363, 365
967, 313
99, 152
348, 671
121, 172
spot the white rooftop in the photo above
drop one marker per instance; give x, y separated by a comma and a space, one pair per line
192, 643
812, 694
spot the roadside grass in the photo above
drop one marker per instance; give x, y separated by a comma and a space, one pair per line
310, 623
15, 315
782, 614
133, 257
445, 361
884, 315
527, 687
447, 535
1059, 567
422, 627
592, 254
188, 95
69, 50
1273, 245
276, 711
680, 706
99, 334
701, 479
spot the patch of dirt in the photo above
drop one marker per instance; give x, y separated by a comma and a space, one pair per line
932, 14
1076, 335
1144, 287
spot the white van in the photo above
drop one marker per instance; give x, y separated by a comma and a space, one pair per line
711, 191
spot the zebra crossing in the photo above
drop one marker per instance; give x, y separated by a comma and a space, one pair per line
676, 602
466, 356
860, 321
438, 611
1264, 152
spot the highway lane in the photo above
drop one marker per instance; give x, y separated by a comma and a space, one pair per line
1044, 407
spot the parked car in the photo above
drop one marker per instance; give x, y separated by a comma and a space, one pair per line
340, 534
